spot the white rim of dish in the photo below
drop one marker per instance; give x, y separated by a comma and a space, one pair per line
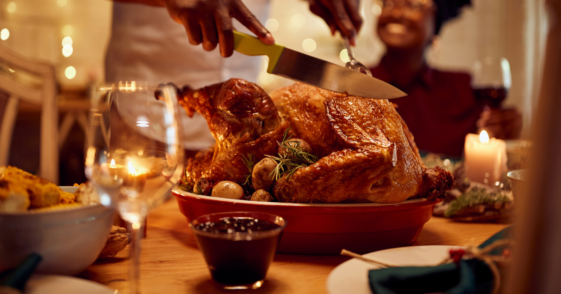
235, 201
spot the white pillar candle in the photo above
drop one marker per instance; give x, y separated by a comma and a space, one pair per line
485, 158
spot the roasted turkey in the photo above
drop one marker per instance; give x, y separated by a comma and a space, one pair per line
366, 152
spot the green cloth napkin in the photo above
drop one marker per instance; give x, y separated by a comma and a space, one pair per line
466, 277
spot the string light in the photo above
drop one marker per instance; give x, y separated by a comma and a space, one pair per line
67, 50
309, 45
11, 8
298, 20
70, 72
272, 24
4, 34
344, 56
67, 41
67, 30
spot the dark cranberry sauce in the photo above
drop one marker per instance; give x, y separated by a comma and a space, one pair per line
229, 225
237, 261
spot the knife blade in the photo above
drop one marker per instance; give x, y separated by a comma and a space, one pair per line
297, 66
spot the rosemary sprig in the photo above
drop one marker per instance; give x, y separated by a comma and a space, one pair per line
249, 162
198, 190
292, 158
475, 197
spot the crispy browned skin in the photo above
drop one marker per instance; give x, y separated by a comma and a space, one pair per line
242, 119
366, 152
365, 148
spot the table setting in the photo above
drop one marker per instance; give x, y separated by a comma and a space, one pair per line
247, 215
317, 187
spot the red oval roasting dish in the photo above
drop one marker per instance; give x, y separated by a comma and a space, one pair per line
327, 228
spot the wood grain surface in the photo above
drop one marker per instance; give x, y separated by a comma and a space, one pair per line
172, 263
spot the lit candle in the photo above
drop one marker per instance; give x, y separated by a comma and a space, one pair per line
116, 170
485, 158
136, 179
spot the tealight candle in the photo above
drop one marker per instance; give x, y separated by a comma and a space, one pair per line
485, 158
136, 179
116, 170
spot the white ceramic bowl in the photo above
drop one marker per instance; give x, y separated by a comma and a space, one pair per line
68, 240
518, 182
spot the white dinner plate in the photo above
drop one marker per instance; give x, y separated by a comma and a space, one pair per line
42, 284
352, 275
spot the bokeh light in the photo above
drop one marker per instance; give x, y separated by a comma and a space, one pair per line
70, 72
4, 34
272, 24
265, 78
61, 3
298, 20
309, 45
66, 41
344, 56
11, 7
67, 30
67, 50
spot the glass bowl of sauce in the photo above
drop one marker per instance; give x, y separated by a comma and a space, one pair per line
238, 247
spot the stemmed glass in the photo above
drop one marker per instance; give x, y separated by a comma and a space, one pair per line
134, 154
491, 81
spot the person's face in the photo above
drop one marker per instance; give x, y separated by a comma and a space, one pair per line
406, 24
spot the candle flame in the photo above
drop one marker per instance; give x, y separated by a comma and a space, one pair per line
112, 164
484, 137
132, 171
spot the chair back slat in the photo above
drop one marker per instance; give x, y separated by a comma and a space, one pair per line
45, 95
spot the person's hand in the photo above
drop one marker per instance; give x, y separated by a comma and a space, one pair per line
210, 22
501, 123
341, 15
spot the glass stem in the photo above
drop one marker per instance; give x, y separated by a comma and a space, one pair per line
136, 230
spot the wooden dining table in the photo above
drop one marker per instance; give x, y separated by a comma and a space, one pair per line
172, 263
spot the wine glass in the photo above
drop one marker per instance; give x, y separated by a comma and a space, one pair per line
491, 81
134, 154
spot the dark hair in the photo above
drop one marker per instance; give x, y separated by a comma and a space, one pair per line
447, 10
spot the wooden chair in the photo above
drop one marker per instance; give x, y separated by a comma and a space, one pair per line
45, 95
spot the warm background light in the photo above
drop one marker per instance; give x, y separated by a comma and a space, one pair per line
4, 34
67, 30
11, 7
265, 78
61, 3
67, 50
309, 45
344, 56
70, 72
298, 20
67, 41
272, 25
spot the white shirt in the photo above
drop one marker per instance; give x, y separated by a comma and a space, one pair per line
147, 45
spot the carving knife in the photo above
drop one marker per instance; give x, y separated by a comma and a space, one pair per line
314, 71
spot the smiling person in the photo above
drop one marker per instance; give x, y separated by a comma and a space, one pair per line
440, 108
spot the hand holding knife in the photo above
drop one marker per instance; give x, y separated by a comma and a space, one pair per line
310, 70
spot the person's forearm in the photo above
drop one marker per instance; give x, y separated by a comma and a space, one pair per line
160, 3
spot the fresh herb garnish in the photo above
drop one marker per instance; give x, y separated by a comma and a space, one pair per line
291, 158
249, 162
476, 196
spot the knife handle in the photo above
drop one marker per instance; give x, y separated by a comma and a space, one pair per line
252, 46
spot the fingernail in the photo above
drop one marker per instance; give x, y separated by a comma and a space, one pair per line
270, 39
352, 41
333, 30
